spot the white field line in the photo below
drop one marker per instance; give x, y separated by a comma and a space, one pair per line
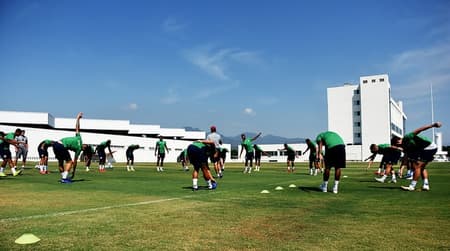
89, 210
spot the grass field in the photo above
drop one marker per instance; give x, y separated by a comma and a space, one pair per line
146, 210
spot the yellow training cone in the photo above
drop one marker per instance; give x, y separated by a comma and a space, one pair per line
278, 188
265, 191
292, 185
27, 239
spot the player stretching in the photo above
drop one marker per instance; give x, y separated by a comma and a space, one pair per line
102, 154
291, 157
248, 145
197, 154
420, 151
391, 154
43, 155
314, 163
334, 157
61, 150
130, 157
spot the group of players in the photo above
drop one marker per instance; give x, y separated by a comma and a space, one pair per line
418, 151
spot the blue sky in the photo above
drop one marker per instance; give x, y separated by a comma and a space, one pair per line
240, 65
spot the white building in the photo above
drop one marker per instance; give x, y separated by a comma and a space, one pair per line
41, 126
365, 114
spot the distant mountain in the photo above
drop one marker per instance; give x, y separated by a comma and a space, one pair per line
263, 139
192, 129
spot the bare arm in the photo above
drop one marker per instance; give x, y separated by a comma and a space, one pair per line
423, 128
77, 124
257, 135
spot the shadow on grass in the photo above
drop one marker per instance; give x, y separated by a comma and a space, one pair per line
389, 187
199, 188
310, 189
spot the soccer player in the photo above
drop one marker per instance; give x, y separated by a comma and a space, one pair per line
88, 153
249, 155
258, 153
291, 157
182, 158
102, 154
391, 154
5, 141
197, 153
334, 157
215, 158
130, 157
22, 148
43, 155
160, 152
314, 162
420, 151
223, 155
61, 149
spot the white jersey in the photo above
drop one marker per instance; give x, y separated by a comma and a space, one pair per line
22, 140
215, 137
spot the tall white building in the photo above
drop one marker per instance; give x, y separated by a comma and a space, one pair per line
365, 114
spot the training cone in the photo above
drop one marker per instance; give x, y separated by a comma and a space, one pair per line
278, 188
27, 239
265, 191
292, 186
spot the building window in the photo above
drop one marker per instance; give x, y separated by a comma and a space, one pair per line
381, 79
365, 81
358, 124
356, 102
373, 80
356, 91
357, 113
358, 135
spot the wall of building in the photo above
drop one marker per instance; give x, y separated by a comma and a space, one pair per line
341, 111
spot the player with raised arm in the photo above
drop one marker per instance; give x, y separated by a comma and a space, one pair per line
249, 155
61, 149
420, 151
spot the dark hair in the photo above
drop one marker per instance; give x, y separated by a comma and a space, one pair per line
394, 140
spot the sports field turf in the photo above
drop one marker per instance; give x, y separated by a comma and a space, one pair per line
147, 210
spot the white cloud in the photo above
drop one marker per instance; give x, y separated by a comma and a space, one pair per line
416, 70
133, 106
171, 24
171, 98
216, 62
249, 111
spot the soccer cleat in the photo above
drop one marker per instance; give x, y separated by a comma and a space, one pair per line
65, 181
409, 177
426, 187
323, 188
393, 181
335, 189
87, 169
407, 188
42, 172
2, 174
380, 179
194, 189
17, 173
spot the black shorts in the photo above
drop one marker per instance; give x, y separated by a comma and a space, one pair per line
391, 157
101, 156
249, 156
6, 154
197, 157
313, 158
61, 153
42, 152
291, 157
161, 155
130, 156
335, 157
257, 156
422, 155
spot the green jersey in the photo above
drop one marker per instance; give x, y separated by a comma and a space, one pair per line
412, 142
45, 143
290, 151
198, 144
330, 139
161, 146
248, 145
383, 148
73, 143
9, 136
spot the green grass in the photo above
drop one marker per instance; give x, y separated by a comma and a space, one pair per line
102, 211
